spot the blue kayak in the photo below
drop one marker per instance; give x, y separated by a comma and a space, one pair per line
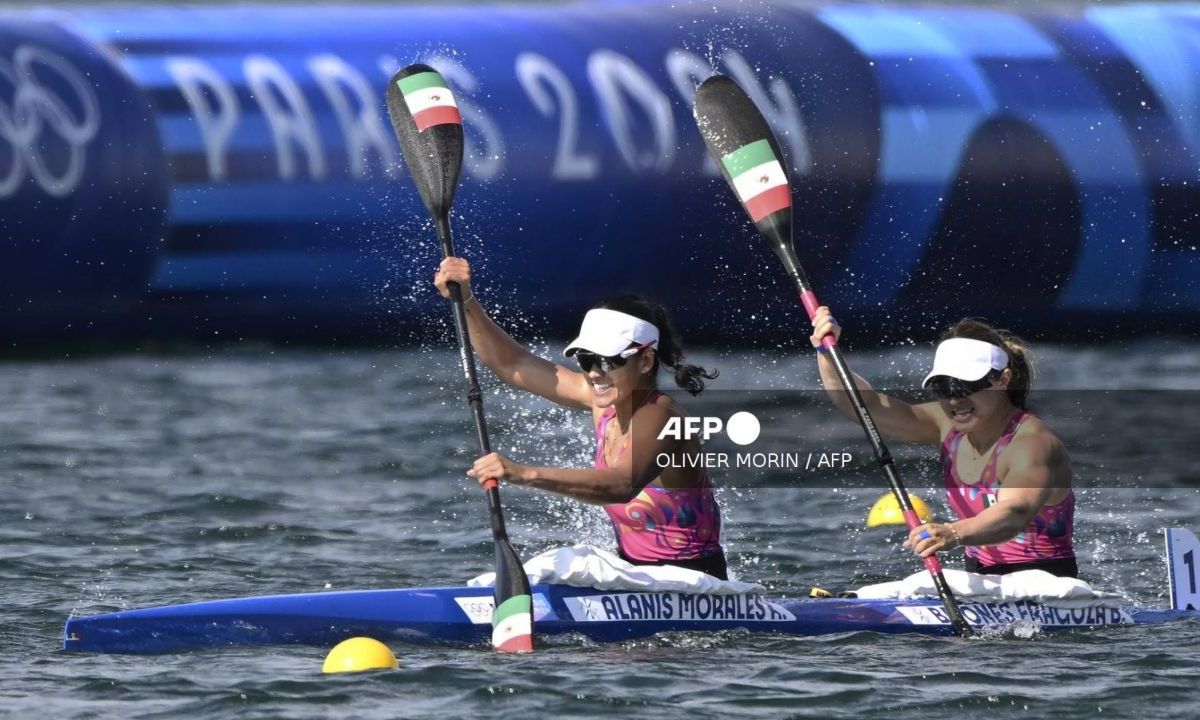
462, 616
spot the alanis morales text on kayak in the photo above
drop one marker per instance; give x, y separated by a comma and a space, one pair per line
743, 429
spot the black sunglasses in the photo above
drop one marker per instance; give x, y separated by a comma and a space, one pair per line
588, 360
945, 387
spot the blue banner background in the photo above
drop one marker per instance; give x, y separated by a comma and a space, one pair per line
242, 179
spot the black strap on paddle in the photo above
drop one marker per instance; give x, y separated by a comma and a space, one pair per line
429, 128
751, 161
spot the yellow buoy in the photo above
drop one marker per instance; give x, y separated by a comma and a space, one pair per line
359, 653
886, 511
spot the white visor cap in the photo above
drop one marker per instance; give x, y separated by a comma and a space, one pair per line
608, 332
966, 359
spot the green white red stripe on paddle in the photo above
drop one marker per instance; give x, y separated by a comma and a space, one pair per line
512, 625
429, 100
758, 179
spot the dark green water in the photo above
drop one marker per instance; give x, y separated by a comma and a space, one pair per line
144, 480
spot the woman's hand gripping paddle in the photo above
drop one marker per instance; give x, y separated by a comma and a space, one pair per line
745, 149
429, 127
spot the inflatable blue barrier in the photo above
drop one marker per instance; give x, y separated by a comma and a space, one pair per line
230, 171
83, 188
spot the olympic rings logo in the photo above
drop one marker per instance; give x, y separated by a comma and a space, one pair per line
37, 115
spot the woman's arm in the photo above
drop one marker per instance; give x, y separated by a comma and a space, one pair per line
598, 486
895, 418
504, 356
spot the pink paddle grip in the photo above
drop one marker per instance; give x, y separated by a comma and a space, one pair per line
913, 521
809, 298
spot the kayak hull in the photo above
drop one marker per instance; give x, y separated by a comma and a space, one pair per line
462, 616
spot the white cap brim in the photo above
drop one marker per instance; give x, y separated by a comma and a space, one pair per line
608, 332
966, 359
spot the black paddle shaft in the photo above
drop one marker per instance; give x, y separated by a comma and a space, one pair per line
474, 394
730, 122
882, 455
434, 157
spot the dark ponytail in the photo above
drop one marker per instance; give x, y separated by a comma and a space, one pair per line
1020, 356
668, 352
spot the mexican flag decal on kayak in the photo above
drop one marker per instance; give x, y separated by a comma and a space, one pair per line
429, 100
758, 179
512, 625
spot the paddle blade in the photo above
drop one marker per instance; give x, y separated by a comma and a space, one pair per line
512, 619
745, 149
428, 125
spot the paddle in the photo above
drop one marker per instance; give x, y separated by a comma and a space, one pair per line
429, 127
745, 149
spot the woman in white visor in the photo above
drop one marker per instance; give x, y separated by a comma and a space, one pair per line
1007, 476
662, 513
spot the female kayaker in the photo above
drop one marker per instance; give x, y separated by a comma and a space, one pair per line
1007, 476
662, 514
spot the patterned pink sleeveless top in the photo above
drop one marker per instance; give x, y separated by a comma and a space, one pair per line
1048, 536
661, 524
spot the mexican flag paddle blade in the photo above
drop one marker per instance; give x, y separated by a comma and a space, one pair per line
429, 127
512, 618
745, 149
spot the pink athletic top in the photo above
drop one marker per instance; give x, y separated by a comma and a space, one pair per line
1048, 536
661, 524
